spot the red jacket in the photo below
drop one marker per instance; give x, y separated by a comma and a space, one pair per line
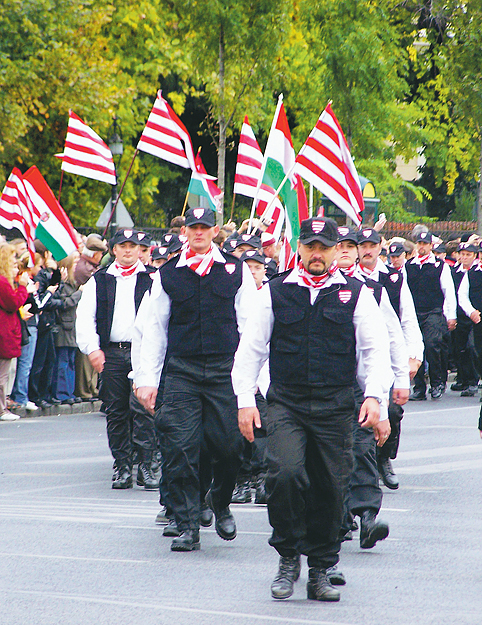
10, 331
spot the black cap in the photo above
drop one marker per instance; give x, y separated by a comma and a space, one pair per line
125, 235
199, 215
368, 235
144, 238
345, 233
160, 253
396, 249
424, 237
253, 255
467, 247
322, 229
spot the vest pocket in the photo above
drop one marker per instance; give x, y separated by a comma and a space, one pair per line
287, 338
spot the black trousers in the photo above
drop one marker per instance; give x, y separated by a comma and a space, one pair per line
464, 351
125, 425
199, 407
364, 492
434, 330
41, 373
395, 416
254, 454
310, 459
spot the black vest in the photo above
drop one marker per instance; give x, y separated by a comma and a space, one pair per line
105, 294
424, 284
475, 287
203, 318
392, 281
376, 289
313, 344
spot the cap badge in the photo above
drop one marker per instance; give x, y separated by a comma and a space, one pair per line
250, 252
394, 277
366, 233
246, 237
128, 233
141, 235
344, 296
230, 267
393, 248
232, 243
343, 230
317, 226
162, 250
198, 212
168, 237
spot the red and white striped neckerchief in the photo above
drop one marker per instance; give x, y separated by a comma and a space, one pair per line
368, 272
349, 271
200, 263
423, 259
315, 281
126, 271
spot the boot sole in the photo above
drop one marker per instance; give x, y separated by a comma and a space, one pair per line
223, 535
194, 547
312, 594
279, 597
123, 486
141, 483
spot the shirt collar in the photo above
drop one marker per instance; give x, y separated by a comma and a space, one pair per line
431, 259
217, 257
112, 270
294, 278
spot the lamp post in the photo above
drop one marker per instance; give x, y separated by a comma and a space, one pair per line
116, 146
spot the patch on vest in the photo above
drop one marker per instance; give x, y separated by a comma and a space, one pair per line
317, 226
230, 267
437, 264
345, 296
394, 277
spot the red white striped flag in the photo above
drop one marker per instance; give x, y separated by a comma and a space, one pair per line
325, 161
247, 177
85, 154
17, 210
166, 137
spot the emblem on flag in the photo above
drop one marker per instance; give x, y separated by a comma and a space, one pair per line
366, 233
343, 230
230, 267
344, 296
44, 216
198, 212
394, 277
317, 226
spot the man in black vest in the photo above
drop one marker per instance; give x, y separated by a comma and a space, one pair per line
105, 319
370, 265
197, 310
430, 282
313, 323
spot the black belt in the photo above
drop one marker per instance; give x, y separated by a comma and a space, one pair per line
120, 344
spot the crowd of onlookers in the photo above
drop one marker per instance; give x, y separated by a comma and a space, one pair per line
40, 364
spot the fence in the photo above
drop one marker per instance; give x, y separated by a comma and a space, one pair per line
441, 229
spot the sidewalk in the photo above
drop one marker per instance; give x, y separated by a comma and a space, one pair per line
62, 409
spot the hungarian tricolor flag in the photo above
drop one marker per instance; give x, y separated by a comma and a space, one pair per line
202, 190
279, 160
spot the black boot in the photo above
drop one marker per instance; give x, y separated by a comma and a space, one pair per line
335, 576
122, 477
145, 476
186, 541
319, 587
288, 574
371, 531
225, 524
171, 529
206, 516
387, 473
242, 492
260, 496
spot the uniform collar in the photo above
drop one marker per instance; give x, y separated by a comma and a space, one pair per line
217, 257
294, 278
431, 259
112, 270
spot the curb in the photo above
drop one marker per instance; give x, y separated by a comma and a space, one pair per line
85, 407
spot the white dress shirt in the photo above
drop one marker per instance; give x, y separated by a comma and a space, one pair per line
124, 315
463, 292
372, 345
154, 336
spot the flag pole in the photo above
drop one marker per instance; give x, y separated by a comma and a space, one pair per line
232, 207
60, 185
276, 193
120, 193
187, 193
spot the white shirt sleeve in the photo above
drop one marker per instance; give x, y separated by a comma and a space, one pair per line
154, 337
398, 350
463, 293
244, 298
408, 320
138, 331
87, 338
253, 348
448, 288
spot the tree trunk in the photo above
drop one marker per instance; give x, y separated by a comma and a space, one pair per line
222, 125
479, 196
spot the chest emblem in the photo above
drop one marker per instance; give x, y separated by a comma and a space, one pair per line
230, 267
345, 296
394, 277
437, 264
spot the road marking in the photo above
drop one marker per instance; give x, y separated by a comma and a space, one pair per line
36, 491
440, 410
460, 450
441, 467
246, 616
74, 461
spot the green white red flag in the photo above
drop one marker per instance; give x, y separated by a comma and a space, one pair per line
202, 186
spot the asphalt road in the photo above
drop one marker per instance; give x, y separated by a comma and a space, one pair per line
73, 551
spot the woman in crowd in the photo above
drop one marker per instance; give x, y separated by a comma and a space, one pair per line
11, 300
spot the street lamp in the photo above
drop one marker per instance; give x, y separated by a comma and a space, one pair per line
116, 146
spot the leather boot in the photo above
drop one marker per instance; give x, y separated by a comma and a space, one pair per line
386, 472
225, 524
288, 573
242, 492
171, 529
206, 516
319, 587
145, 476
122, 477
371, 531
186, 541
260, 496
335, 576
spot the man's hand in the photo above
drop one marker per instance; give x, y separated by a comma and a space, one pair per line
400, 396
97, 360
382, 431
475, 316
451, 324
246, 418
147, 396
414, 366
369, 413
